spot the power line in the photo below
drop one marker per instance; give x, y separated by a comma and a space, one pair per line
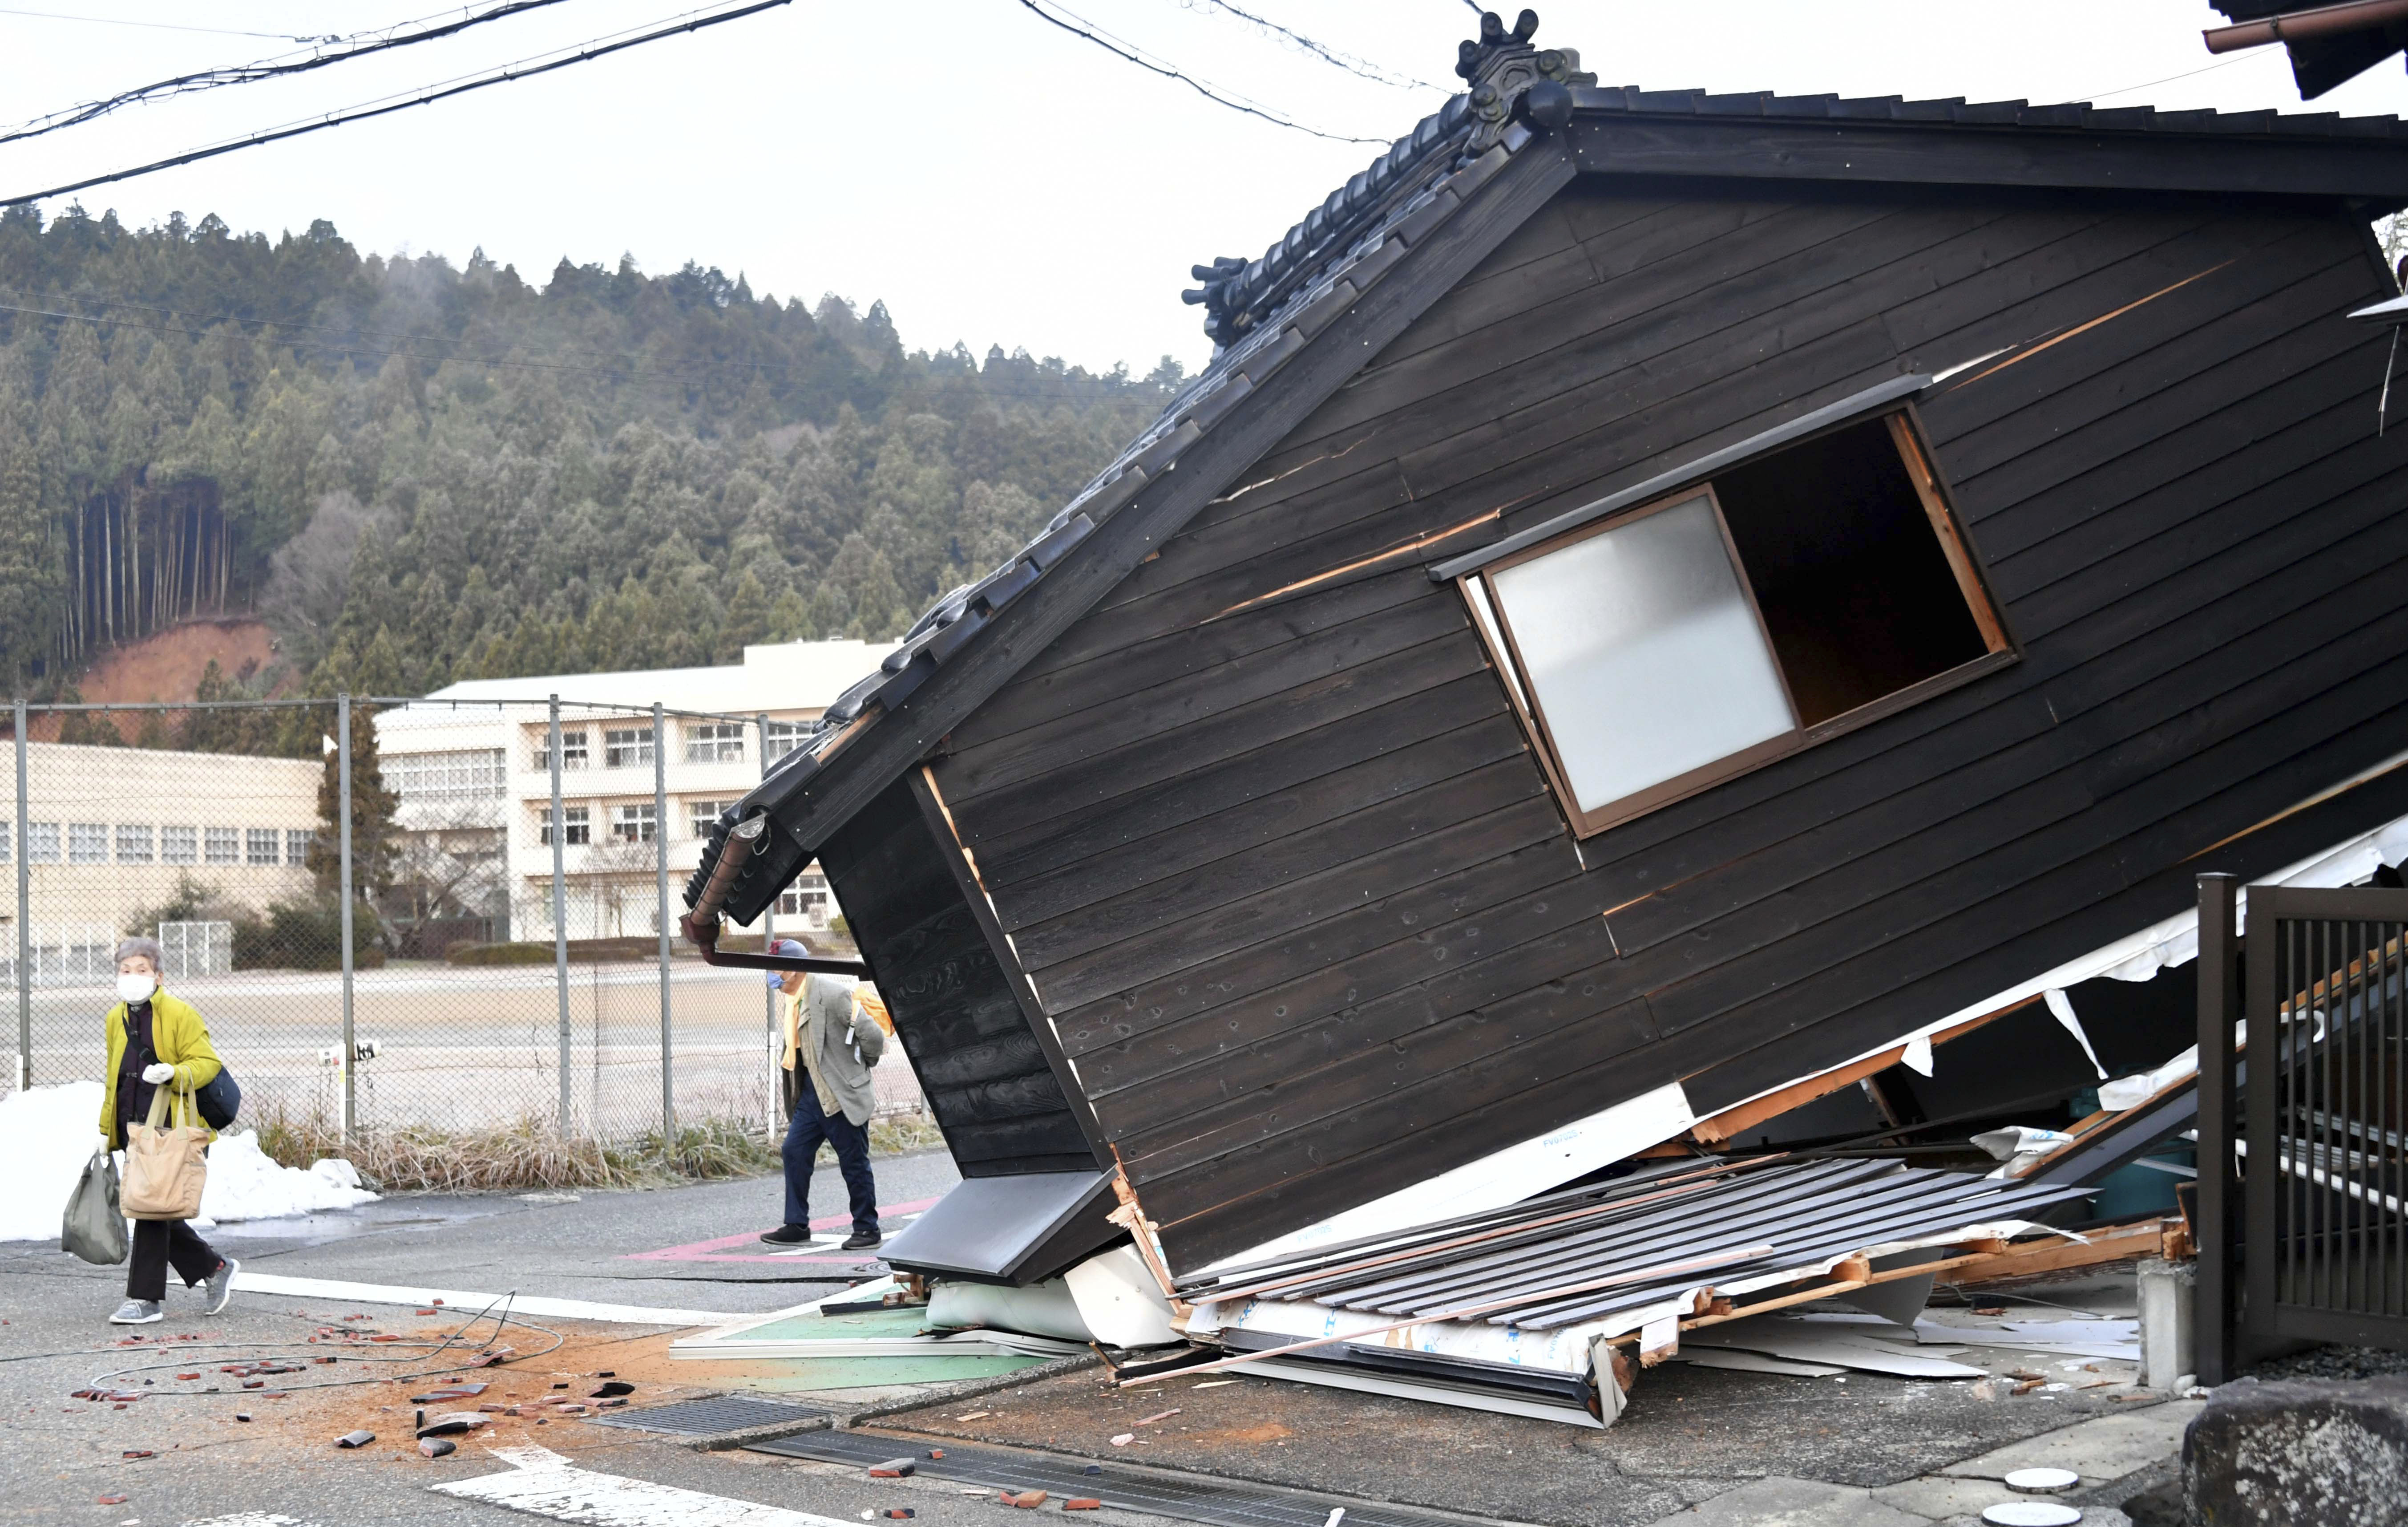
1080, 27
583, 53
2221, 64
1363, 67
166, 26
243, 74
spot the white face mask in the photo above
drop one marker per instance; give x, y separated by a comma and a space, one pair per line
136, 987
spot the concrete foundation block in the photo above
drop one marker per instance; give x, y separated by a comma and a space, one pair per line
2302, 1453
2166, 1322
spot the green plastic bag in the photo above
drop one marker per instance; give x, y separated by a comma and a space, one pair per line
93, 1227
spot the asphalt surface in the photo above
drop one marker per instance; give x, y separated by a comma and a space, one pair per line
63, 1454
1690, 1436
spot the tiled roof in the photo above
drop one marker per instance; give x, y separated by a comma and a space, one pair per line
2081, 115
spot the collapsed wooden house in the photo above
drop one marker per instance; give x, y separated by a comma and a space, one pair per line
1656, 596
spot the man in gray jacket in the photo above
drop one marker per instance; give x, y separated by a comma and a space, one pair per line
830, 1046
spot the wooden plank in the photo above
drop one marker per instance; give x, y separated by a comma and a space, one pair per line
1593, 391
1266, 915
1693, 279
1449, 1067
1290, 761
1335, 956
2119, 1242
1049, 690
2201, 392
1136, 1053
2270, 257
986, 1080
1350, 781
1292, 860
1294, 1059
2138, 497
2079, 597
1961, 564
1065, 1091
1900, 154
1731, 1123
1312, 704
1050, 747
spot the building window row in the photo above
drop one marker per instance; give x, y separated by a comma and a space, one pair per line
464, 774
91, 842
632, 747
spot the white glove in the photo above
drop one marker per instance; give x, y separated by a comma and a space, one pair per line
157, 1071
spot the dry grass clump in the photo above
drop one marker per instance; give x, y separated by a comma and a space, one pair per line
531, 1154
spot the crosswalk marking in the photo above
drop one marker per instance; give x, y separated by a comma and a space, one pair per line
542, 1483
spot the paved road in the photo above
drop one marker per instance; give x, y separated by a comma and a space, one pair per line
63, 1455
462, 1047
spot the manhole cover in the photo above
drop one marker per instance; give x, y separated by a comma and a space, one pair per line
709, 1418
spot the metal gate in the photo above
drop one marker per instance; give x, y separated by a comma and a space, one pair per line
2317, 1145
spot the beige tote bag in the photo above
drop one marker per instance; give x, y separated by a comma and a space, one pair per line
165, 1167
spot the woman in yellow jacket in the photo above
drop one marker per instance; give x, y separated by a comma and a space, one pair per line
156, 1040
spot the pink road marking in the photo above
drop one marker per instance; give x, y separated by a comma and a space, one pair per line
718, 1250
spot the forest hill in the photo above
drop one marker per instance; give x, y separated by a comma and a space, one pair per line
442, 473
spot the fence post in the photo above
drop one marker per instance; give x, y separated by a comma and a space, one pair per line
559, 909
24, 921
769, 1045
343, 837
660, 918
2219, 1002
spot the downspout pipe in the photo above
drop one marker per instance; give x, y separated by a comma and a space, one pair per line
701, 925
2300, 25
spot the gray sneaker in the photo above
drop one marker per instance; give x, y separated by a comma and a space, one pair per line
136, 1312
221, 1284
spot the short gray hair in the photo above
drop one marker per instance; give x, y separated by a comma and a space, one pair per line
147, 948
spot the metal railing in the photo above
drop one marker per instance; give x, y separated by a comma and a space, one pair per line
2304, 1115
468, 927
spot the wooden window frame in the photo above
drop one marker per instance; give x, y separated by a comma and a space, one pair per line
1495, 628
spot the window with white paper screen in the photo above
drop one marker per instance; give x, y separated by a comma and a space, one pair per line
1643, 653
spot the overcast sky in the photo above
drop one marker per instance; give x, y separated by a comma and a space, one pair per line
992, 179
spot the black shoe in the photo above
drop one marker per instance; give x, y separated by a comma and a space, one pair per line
788, 1235
861, 1240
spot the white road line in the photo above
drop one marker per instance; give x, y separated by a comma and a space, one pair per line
457, 1302
251, 1518
542, 1483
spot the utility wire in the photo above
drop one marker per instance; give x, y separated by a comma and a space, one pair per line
1363, 67
523, 70
269, 68
1080, 27
166, 26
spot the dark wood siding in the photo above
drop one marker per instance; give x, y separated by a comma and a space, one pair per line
986, 1078
1289, 883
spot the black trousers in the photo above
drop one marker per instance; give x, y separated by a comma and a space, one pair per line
157, 1243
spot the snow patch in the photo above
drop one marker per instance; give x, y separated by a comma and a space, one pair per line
48, 1133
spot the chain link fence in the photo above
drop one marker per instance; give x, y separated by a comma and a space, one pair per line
444, 917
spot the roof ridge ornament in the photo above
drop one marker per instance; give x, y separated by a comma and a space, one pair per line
1509, 77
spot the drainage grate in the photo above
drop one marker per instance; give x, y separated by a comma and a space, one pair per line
711, 1418
1184, 1497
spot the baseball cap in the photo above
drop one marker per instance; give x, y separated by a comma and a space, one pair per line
784, 946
